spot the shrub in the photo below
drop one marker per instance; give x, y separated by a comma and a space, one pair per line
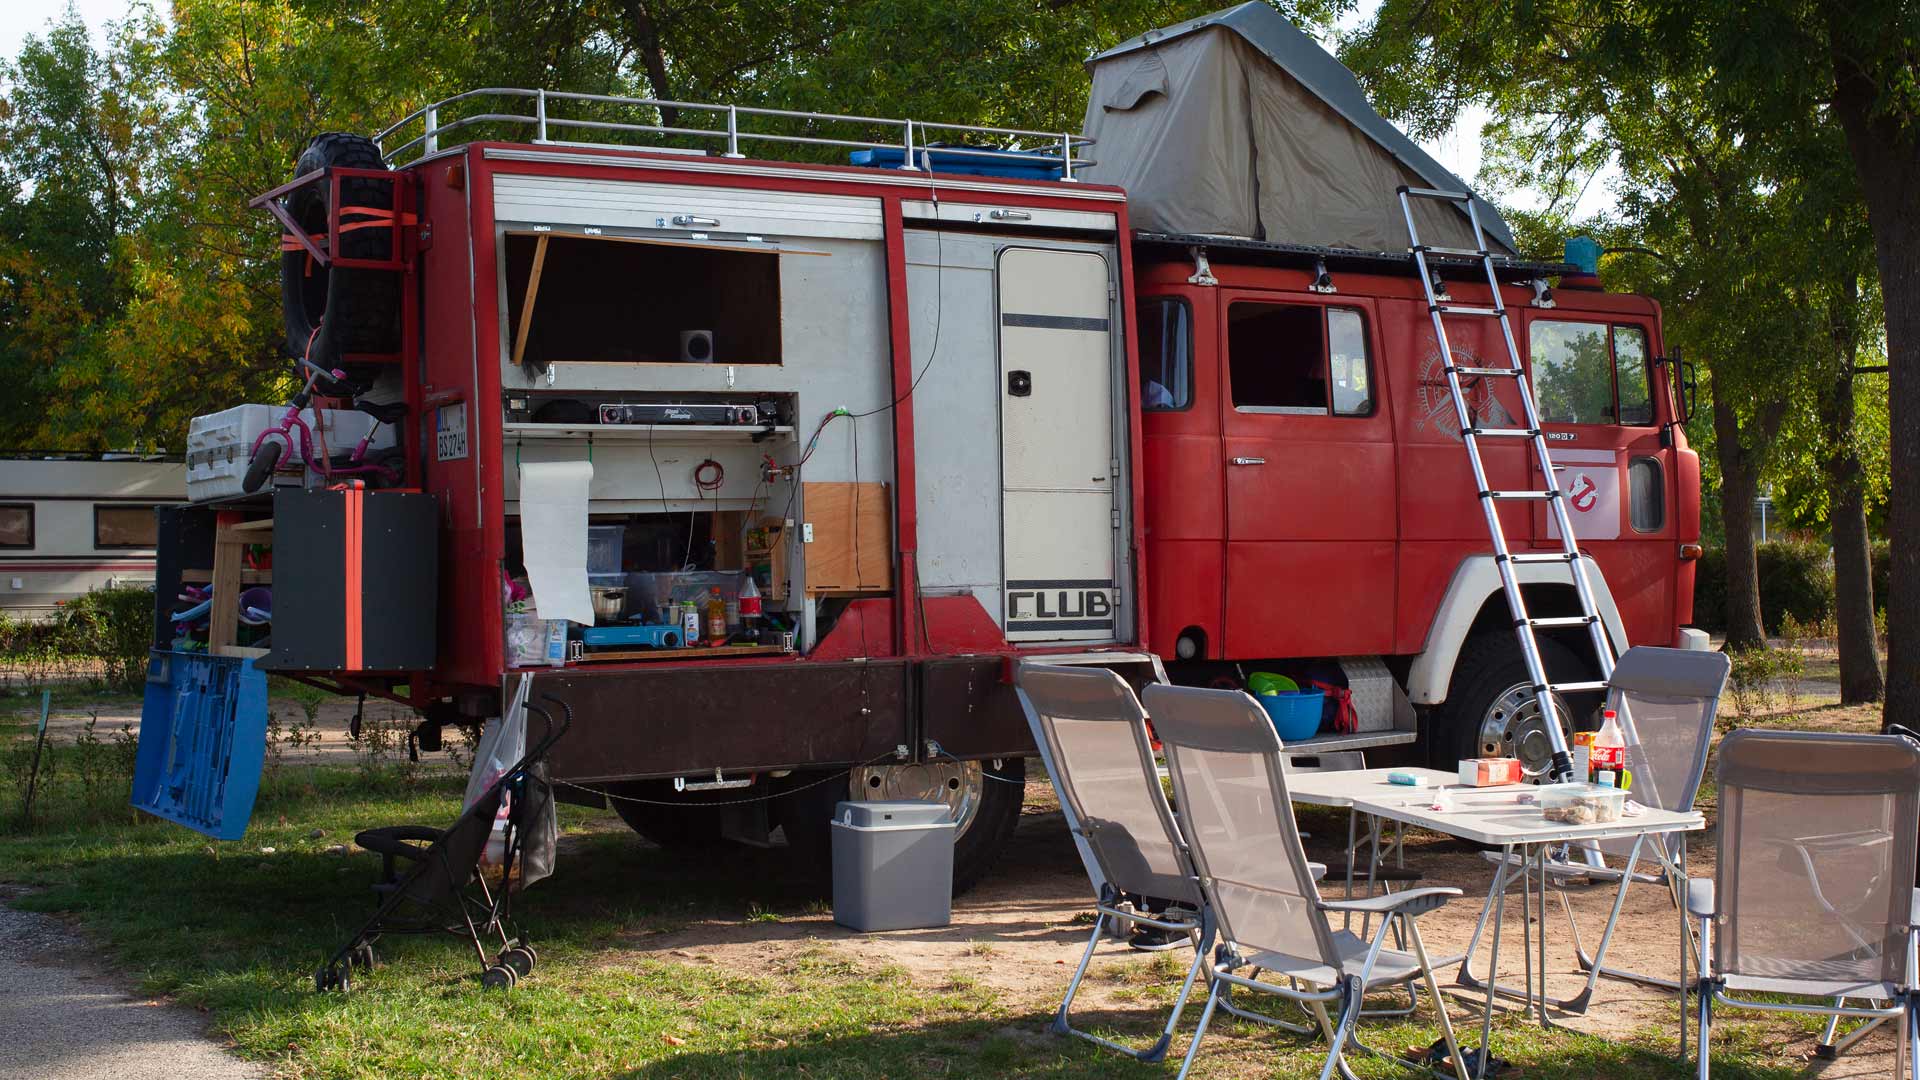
1795, 579
113, 626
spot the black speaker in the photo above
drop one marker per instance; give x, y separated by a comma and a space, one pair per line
696, 346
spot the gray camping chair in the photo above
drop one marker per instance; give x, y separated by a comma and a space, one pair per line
1812, 895
1666, 700
1094, 736
1231, 786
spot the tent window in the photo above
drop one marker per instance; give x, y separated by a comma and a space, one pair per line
1280, 356
604, 300
1166, 355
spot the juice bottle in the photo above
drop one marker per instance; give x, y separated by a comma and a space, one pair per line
689, 623
717, 617
1609, 750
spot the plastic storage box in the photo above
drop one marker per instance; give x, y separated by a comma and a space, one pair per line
203, 741
1581, 804
892, 865
220, 445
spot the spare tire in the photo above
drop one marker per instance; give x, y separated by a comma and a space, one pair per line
333, 312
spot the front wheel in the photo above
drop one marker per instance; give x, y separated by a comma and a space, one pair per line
985, 797
1491, 709
262, 465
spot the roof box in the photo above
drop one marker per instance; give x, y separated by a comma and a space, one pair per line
1238, 124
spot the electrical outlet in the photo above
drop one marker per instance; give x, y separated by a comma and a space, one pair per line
806, 533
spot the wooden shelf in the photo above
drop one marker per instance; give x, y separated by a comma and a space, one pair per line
247, 577
714, 652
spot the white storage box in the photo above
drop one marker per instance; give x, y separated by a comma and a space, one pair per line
220, 445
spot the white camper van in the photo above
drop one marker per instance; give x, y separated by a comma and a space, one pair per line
72, 522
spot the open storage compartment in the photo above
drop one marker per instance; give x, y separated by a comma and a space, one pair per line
604, 299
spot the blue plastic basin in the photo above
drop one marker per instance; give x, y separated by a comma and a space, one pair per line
1296, 714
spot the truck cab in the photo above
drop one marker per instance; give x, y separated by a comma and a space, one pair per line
1310, 497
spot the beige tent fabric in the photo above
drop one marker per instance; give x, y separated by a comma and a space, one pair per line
1208, 135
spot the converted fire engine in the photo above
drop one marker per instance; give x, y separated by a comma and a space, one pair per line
1167, 386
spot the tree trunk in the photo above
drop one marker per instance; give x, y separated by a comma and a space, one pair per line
1739, 482
1886, 156
644, 36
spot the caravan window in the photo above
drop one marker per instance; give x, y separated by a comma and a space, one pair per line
1166, 355
1280, 357
16, 525
125, 527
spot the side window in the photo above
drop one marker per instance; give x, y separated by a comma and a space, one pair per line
16, 525
1166, 354
125, 527
1646, 495
1347, 357
1298, 359
1572, 372
1630, 375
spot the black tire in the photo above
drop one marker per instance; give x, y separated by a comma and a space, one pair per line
692, 827
804, 816
262, 465
332, 312
499, 977
1490, 664
520, 960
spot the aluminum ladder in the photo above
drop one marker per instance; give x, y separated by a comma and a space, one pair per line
1471, 432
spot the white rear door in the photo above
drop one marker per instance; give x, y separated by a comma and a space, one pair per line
1057, 459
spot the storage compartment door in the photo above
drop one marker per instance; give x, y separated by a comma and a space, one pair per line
1056, 432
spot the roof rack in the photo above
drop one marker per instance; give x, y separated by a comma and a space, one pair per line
909, 137
1245, 249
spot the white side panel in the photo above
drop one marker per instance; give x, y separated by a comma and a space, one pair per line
1056, 430
1008, 217
628, 205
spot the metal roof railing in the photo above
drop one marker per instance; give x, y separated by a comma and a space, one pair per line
732, 129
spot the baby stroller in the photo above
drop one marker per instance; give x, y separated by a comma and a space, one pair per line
441, 890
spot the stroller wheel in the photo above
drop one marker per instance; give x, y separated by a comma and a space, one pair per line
363, 956
499, 977
520, 959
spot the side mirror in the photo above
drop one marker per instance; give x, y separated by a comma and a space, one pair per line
1684, 379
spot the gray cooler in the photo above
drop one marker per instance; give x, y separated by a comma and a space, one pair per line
892, 865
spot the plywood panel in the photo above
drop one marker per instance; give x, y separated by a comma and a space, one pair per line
852, 548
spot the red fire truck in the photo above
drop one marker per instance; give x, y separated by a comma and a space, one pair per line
1167, 387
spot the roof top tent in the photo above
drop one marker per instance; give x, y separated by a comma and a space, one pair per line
1238, 124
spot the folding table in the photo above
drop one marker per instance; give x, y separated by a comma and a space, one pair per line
1495, 817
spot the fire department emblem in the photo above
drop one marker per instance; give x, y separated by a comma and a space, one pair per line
1435, 405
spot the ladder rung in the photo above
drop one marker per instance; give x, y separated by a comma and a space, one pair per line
1456, 309
1520, 494
1562, 620
1509, 372
1578, 687
1435, 193
1559, 557
1501, 432
1435, 249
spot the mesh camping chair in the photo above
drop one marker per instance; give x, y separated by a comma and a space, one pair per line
1813, 892
1665, 700
1231, 787
1095, 738
439, 888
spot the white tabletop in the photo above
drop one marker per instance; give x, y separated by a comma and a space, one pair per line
1492, 815
1342, 788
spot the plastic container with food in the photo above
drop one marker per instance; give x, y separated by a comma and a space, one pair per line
1581, 804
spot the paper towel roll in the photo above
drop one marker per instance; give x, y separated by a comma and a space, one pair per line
553, 537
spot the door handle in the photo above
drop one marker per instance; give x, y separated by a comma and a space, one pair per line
1249, 461
696, 219
1010, 215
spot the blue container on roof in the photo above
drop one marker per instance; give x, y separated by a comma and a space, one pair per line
1044, 164
203, 741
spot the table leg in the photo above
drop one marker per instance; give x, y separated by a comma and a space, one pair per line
1543, 934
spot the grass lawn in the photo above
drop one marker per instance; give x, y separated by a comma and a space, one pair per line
237, 930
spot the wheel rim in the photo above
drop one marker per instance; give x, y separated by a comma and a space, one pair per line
1512, 728
957, 784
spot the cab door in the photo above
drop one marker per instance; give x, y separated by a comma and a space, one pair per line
1311, 489
1594, 383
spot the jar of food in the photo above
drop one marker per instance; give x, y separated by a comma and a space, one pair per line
1581, 803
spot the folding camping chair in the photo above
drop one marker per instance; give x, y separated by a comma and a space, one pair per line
1813, 892
441, 890
1666, 700
1094, 736
1230, 784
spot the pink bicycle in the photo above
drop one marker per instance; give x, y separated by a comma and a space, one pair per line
386, 471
